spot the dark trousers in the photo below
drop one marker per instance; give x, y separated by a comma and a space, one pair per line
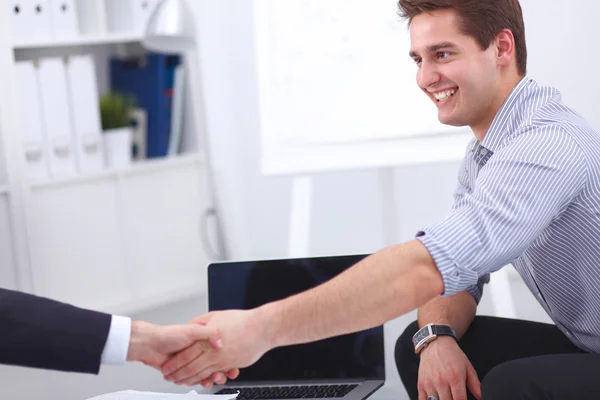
515, 360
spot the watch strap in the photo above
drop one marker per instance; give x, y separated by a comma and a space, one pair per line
443, 330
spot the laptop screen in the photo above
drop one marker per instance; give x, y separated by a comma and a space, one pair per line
248, 284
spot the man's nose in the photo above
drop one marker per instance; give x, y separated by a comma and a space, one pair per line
427, 76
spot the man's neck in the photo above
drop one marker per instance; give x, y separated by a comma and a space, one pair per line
481, 128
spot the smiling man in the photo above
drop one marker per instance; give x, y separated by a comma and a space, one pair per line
522, 198
528, 194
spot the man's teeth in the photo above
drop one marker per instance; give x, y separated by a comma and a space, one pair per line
441, 96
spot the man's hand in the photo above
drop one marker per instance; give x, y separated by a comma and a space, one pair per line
245, 340
446, 372
154, 344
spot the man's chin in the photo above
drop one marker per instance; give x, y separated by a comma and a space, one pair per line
451, 120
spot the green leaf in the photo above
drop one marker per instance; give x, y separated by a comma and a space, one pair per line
115, 110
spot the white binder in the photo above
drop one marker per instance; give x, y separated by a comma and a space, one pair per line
19, 21
129, 16
56, 115
91, 17
85, 112
30, 20
30, 109
64, 19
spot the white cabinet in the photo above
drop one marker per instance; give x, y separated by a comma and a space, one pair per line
121, 242
7, 262
75, 244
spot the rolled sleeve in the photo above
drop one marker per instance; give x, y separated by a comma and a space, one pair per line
455, 277
476, 291
517, 195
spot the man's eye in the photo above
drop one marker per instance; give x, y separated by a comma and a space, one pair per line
443, 54
417, 61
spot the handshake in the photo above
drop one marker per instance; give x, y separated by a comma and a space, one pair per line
209, 350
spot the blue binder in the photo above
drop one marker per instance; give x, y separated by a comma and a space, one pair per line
150, 80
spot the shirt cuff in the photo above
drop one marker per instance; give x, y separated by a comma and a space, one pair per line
117, 343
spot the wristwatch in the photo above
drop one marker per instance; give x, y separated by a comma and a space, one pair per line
429, 333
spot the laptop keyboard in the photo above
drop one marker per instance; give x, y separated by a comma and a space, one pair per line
290, 392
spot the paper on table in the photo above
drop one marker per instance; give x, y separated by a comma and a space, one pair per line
136, 395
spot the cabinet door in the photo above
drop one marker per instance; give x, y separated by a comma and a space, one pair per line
7, 265
162, 212
76, 247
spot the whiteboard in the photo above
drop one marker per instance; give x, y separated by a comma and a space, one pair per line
337, 89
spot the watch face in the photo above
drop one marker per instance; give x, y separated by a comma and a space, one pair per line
422, 334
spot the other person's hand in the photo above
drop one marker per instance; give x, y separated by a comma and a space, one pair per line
153, 344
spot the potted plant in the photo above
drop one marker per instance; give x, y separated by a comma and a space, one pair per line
115, 111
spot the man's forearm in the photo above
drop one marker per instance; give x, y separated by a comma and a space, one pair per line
381, 287
457, 311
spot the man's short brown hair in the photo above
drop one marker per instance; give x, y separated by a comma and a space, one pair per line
480, 19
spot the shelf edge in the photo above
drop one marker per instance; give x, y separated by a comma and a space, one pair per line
90, 40
143, 167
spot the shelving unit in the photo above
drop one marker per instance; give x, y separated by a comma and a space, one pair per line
118, 240
90, 40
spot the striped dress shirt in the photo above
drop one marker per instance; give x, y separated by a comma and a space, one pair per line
529, 195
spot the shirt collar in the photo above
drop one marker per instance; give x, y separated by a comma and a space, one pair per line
506, 115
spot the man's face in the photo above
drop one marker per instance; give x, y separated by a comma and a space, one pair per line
459, 77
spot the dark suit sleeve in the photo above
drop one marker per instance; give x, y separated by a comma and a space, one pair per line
43, 333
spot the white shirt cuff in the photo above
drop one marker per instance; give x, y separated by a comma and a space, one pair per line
117, 343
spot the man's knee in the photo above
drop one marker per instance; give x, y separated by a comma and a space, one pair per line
508, 380
404, 354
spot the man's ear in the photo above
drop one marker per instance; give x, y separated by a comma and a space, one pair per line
505, 47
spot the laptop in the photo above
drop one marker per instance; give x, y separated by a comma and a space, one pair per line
349, 367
